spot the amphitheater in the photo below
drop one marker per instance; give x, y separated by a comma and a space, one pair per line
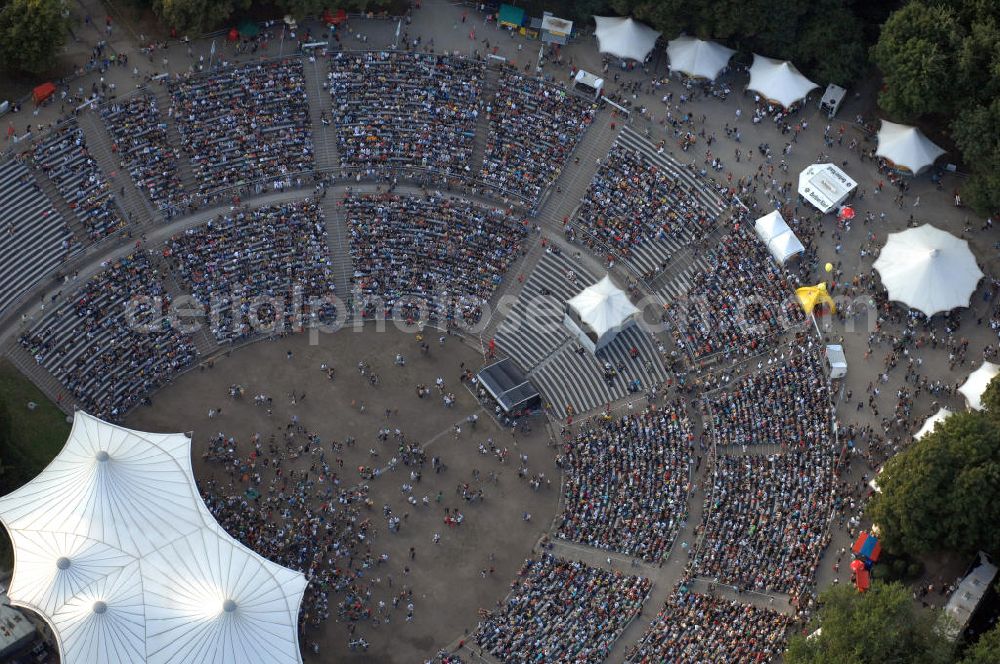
306, 259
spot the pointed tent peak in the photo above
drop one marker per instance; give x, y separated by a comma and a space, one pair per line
778, 81
906, 147
975, 385
931, 422
625, 38
603, 306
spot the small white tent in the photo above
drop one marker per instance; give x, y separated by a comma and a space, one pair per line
778, 81
977, 382
931, 422
906, 147
825, 186
928, 269
698, 58
836, 360
779, 238
625, 38
598, 313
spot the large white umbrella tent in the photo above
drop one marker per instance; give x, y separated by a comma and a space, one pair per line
778, 81
977, 382
698, 58
625, 38
928, 269
906, 147
931, 422
115, 549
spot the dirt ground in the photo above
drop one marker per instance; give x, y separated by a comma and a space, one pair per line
446, 577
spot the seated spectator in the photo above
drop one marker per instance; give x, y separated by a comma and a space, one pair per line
111, 343
63, 157
766, 520
244, 124
139, 133
625, 483
534, 127
409, 109
562, 611
696, 629
440, 253
235, 263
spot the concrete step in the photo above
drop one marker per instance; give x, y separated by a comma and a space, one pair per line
42, 379
136, 208
80, 234
184, 171
339, 239
482, 122
324, 136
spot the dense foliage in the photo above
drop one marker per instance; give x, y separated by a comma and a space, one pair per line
881, 626
943, 493
32, 34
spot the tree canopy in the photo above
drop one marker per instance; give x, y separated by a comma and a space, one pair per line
881, 626
943, 493
986, 650
32, 34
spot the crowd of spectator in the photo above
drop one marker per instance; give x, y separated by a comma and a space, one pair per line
111, 343
251, 269
139, 135
693, 629
533, 128
766, 520
737, 302
786, 404
625, 482
63, 156
408, 109
562, 611
445, 254
632, 203
244, 124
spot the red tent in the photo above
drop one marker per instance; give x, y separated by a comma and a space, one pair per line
857, 565
43, 92
234, 35
334, 19
862, 580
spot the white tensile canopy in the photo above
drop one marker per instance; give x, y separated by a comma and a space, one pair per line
977, 382
825, 186
906, 147
940, 416
779, 238
604, 310
625, 38
698, 58
928, 269
115, 549
778, 80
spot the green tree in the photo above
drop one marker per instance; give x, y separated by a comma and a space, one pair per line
986, 650
32, 34
881, 626
917, 52
977, 133
303, 8
196, 14
943, 493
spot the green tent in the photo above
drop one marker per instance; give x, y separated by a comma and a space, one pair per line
511, 15
247, 28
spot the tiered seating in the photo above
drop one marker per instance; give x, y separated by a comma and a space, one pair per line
695, 629
625, 483
396, 109
766, 520
444, 254
109, 343
34, 238
740, 300
562, 611
234, 263
787, 404
244, 124
140, 140
534, 127
63, 157
639, 211
534, 335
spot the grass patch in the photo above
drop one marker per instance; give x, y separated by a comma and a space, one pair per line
29, 439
